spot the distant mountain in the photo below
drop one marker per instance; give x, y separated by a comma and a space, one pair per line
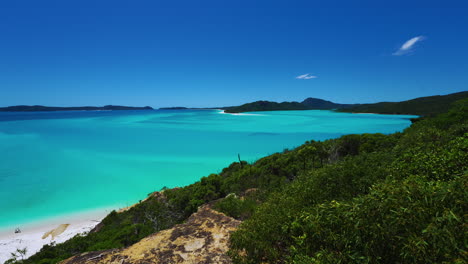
40, 108
424, 106
265, 106
308, 104
320, 104
173, 108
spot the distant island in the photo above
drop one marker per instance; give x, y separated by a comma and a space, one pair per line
424, 106
40, 108
174, 108
320, 104
308, 104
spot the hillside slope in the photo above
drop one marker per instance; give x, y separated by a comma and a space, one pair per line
265, 106
424, 106
308, 104
320, 104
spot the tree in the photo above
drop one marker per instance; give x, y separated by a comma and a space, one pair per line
17, 256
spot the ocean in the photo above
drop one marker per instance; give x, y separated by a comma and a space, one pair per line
59, 163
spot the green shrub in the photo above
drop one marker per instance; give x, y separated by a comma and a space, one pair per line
235, 207
414, 221
266, 235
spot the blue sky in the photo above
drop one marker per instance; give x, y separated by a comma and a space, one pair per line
217, 53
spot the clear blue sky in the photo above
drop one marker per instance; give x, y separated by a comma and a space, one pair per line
217, 53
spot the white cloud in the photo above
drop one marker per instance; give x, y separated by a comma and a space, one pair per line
407, 47
306, 76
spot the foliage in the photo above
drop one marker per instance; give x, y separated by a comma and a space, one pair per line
409, 221
239, 208
265, 106
307, 104
17, 256
117, 230
425, 106
343, 180
315, 103
397, 198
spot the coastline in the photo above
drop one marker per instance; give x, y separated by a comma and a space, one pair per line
61, 229
221, 111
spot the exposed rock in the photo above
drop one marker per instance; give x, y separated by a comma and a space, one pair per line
203, 238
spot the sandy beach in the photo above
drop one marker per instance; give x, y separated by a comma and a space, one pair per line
246, 114
58, 230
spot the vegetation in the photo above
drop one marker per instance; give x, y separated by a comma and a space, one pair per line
424, 106
315, 103
266, 106
17, 256
307, 104
370, 198
117, 230
401, 202
238, 207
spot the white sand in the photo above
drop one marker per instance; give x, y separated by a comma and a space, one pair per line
31, 235
240, 114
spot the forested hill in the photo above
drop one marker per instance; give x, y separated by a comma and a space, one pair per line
266, 106
315, 103
370, 198
308, 104
424, 106
40, 108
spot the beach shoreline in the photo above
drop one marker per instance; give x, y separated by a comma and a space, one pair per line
60, 229
221, 111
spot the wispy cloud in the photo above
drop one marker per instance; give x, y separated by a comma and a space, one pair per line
306, 76
408, 46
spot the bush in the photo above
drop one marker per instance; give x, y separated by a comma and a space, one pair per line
237, 208
266, 235
414, 221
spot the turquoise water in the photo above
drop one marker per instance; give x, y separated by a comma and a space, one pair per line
63, 162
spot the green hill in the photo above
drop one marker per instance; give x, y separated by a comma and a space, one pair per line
266, 106
307, 104
320, 104
424, 106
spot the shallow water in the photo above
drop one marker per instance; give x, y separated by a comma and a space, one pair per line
62, 162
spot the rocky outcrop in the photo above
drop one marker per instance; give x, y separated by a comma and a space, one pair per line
203, 238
